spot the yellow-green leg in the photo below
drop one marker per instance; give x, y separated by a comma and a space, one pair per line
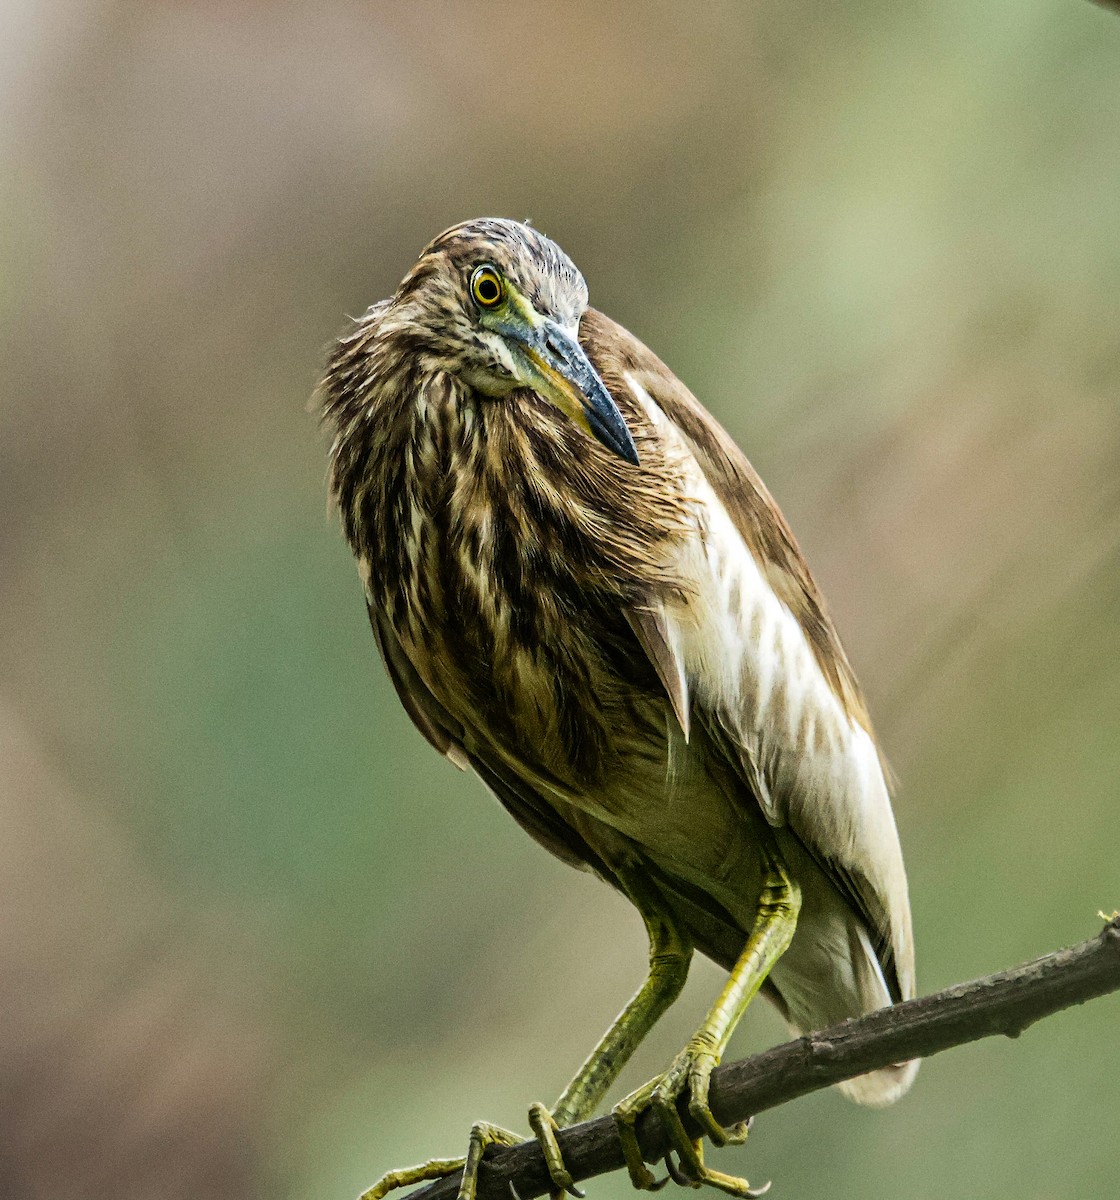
778, 906
670, 952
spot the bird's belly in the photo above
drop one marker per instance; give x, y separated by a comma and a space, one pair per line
668, 804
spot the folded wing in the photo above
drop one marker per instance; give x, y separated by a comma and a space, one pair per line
754, 656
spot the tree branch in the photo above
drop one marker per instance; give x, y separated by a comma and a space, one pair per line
1005, 1003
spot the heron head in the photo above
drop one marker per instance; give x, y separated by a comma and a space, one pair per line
498, 305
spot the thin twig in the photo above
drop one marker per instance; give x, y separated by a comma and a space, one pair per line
1005, 1003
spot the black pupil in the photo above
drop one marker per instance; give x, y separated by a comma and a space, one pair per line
487, 290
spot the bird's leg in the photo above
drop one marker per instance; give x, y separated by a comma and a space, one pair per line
778, 905
670, 952
483, 1134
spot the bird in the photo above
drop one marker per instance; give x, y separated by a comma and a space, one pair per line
584, 593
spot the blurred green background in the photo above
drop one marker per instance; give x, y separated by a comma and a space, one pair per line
256, 939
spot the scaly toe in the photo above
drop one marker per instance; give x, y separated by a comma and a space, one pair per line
544, 1128
699, 1080
435, 1168
625, 1114
483, 1134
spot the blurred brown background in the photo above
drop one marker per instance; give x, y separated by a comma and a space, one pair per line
254, 935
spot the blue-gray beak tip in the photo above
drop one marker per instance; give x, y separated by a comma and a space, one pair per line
609, 427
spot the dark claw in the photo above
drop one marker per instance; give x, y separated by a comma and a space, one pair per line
578, 1192
678, 1174
658, 1184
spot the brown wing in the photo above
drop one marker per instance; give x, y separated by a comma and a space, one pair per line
439, 727
617, 352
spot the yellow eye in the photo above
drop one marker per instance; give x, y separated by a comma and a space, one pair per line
486, 287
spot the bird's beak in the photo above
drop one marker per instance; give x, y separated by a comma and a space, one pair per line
562, 373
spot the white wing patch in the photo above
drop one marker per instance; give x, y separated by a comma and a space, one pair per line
747, 663
745, 656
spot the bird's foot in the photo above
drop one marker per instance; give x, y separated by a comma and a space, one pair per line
691, 1070
483, 1134
544, 1128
